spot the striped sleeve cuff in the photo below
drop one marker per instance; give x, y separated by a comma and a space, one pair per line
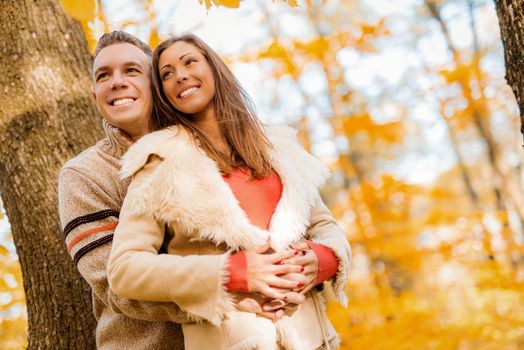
87, 232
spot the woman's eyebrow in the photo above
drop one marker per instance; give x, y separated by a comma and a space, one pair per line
187, 53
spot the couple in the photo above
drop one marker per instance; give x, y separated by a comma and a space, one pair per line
211, 221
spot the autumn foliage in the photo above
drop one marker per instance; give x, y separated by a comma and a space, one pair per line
425, 157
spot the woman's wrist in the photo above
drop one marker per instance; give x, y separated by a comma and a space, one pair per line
327, 261
237, 273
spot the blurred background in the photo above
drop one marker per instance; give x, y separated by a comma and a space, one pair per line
406, 102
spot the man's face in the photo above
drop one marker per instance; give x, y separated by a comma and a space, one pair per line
122, 89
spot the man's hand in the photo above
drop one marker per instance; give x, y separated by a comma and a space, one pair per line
251, 302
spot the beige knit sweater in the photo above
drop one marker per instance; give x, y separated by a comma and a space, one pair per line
90, 196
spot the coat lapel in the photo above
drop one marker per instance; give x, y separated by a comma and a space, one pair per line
195, 198
301, 175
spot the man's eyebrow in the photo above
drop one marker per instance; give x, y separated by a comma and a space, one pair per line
125, 64
100, 69
132, 63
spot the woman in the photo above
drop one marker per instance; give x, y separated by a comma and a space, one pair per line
225, 188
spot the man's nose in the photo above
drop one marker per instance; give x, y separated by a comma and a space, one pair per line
118, 81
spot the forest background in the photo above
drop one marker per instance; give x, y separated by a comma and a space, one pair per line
406, 102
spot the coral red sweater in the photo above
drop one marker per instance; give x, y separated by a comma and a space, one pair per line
259, 198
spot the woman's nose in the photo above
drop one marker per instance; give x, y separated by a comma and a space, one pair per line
181, 76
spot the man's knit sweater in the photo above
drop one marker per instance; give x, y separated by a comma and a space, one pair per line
90, 196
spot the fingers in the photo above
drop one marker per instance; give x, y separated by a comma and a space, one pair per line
265, 271
297, 277
279, 256
290, 309
300, 246
273, 305
249, 305
295, 298
269, 292
283, 283
309, 258
284, 269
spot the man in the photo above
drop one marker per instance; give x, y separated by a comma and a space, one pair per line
91, 195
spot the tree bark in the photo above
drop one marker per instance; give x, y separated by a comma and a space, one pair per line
511, 20
46, 117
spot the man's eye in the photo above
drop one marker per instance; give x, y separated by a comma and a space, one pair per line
102, 76
132, 70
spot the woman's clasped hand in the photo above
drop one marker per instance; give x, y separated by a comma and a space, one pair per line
280, 279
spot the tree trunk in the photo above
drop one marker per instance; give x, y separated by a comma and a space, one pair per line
511, 20
46, 117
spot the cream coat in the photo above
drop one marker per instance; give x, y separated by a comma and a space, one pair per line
175, 185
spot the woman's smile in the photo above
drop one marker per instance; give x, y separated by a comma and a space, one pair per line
188, 91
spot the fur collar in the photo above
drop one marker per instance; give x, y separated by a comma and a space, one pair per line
187, 190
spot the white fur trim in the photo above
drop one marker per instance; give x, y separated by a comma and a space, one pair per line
225, 302
187, 188
301, 175
287, 335
138, 154
339, 281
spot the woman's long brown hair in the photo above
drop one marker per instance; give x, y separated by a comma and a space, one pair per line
234, 111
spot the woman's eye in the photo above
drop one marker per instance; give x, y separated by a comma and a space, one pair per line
166, 75
190, 61
132, 70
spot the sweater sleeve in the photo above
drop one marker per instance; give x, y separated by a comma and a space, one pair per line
323, 229
196, 283
88, 216
237, 273
327, 261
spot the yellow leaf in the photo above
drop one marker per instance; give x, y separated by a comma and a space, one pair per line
278, 52
228, 3
225, 3
84, 11
316, 47
154, 39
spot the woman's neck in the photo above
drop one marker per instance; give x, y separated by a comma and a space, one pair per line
209, 124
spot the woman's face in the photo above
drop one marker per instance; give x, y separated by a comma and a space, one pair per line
187, 79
